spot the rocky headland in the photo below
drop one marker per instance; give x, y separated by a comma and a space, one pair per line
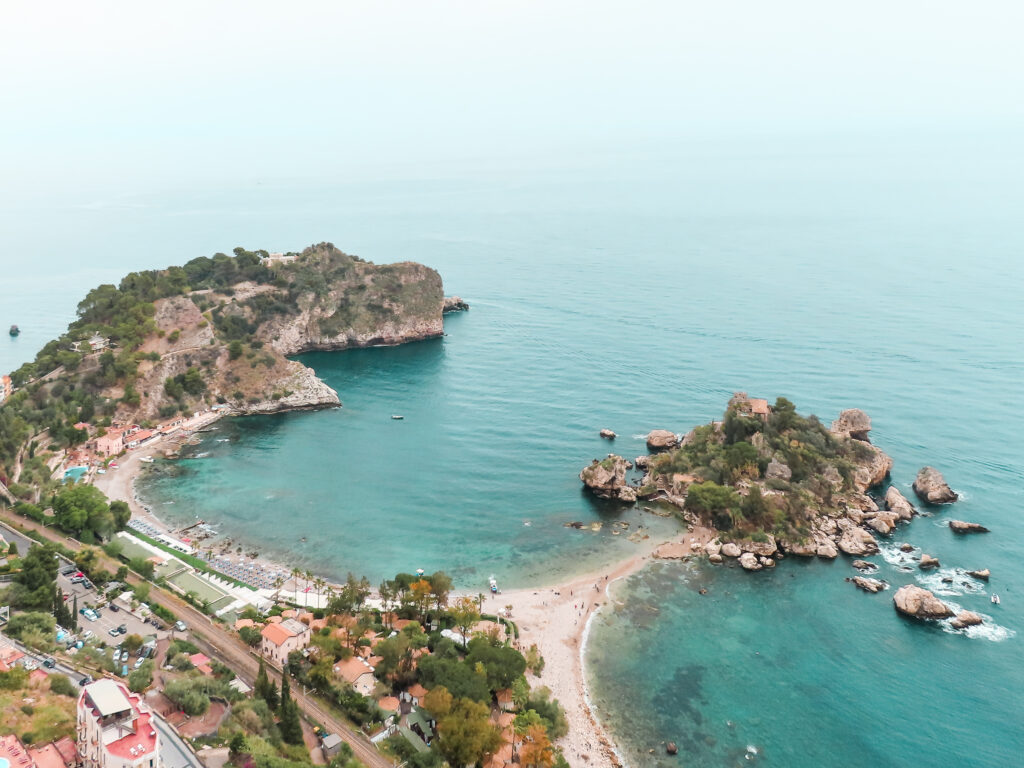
217, 331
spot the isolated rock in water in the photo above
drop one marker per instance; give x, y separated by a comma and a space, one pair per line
897, 502
608, 434
852, 422
965, 619
983, 574
884, 522
606, 478
750, 562
927, 562
864, 565
906, 547
777, 470
915, 601
931, 486
730, 549
454, 304
918, 603
869, 585
661, 439
959, 526
767, 562
627, 494
873, 469
857, 541
671, 748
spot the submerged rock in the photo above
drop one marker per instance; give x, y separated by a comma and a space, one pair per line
931, 486
918, 603
864, 565
661, 439
959, 526
983, 574
966, 619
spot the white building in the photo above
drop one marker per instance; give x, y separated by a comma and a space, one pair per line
115, 728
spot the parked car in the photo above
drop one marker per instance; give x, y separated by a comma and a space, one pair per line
113, 607
77, 579
87, 634
85, 680
113, 632
90, 614
139, 662
49, 663
87, 584
69, 571
30, 664
180, 625
122, 630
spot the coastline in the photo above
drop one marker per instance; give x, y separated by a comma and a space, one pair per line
557, 618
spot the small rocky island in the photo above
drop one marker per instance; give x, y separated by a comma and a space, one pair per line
771, 481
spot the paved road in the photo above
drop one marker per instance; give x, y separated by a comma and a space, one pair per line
173, 752
218, 643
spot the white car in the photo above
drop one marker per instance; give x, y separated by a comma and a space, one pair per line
139, 662
87, 634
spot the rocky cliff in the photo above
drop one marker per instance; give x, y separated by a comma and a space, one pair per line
218, 330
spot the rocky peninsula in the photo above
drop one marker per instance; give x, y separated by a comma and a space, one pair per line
214, 333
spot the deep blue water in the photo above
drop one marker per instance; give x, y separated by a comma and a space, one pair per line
638, 292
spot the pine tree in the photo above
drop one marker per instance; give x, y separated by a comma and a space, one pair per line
289, 725
74, 615
265, 688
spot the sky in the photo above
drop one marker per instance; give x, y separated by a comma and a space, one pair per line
140, 96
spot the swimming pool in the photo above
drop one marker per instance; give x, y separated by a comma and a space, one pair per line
75, 474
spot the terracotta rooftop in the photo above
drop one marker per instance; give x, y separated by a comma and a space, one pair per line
759, 406
244, 623
351, 669
417, 691
389, 704
47, 756
277, 633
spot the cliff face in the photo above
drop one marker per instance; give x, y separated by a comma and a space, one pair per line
365, 306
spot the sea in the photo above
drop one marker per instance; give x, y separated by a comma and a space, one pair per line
635, 290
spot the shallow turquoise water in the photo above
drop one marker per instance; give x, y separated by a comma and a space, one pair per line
637, 293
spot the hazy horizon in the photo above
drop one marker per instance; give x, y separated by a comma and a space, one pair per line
111, 98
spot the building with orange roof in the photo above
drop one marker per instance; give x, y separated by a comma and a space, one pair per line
358, 674
38, 677
48, 756
242, 623
504, 697
67, 750
389, 703
202, 662
281, 639
759, 407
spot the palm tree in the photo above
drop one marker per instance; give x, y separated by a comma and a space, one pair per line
296, 572
319, 584
309, 577
278, 583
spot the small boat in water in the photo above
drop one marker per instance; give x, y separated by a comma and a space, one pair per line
995, 599
15, 330
147, 459
396, 417
493, 584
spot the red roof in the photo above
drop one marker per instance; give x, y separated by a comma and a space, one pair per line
143, 435
276, 634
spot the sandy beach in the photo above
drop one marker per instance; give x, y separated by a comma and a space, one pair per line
556, 619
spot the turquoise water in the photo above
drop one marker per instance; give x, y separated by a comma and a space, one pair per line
637, 292
75, 473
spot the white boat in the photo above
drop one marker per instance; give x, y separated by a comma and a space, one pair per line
147, 459
995, 599
396, 417
493, 584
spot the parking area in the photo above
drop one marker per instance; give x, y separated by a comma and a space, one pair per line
108, 618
